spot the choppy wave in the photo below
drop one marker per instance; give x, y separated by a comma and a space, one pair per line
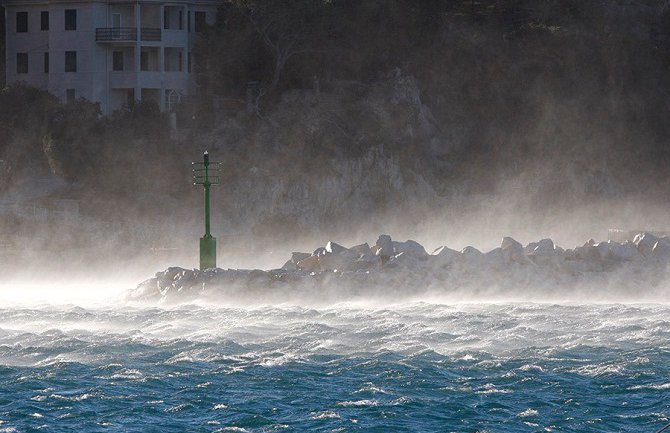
412, 367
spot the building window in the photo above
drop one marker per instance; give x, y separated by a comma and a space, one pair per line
70, 95
200, 21
46, 63
166, 17
22, 22
117, 60
70, 19
44, 20
188, 21
190, 62
70, 61
144, 61
21, 63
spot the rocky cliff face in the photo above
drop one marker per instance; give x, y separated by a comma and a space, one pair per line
321, 157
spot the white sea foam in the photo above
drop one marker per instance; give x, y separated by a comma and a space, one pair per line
359, 403
328, 414
528, 413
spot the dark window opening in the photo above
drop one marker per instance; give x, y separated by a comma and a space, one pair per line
70, 19
44, 20
200, 21
117, 60
70, 95
46, 63
181, 20
181, 59
21, 63
130, 98
22, 22
188, 21
144, 61
70, 61
166, 18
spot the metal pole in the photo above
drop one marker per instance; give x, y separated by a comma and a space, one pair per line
207, 185
207, 242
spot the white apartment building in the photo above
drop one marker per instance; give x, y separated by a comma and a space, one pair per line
113, 52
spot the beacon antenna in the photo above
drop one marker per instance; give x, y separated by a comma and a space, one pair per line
207, 173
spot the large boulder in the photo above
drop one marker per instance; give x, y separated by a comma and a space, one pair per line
544, 252
362, 249
339, 258
334, 248
514, 250
614, 251
626, 251
645, 243
384, 246
446, 254
310, 263
470, 252
410, 247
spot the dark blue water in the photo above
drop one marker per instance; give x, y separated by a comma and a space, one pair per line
411, 368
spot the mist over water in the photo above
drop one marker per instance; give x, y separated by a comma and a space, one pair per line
449, 123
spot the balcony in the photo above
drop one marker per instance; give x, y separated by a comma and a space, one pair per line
127, 34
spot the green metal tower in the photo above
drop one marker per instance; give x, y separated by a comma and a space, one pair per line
202, 176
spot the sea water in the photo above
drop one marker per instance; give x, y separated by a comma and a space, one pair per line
416, 367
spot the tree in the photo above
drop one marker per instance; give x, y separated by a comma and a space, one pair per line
288, 28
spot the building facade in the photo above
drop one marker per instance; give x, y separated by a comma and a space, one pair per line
113, 52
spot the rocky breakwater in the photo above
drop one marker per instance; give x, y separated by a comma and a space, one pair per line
609, 271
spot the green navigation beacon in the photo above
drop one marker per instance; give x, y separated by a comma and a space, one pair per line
202, 175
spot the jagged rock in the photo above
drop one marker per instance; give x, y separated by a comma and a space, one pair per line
446, 255
297, 257
362, 249
470, 252
626, 251
514, 250
603, 249
384, 246
544, 252
309, 264
335, 272
543, 247
333, 248
402, 259
337, 262
509, 243
290, 266
497, 257
319, 252
410, 247
611, 250
645, 243
588, 252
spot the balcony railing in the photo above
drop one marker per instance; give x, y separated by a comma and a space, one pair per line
126, 34
149, 34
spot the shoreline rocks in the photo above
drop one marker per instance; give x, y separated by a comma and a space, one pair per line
398, 270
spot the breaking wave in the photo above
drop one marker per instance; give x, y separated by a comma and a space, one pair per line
407, 367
